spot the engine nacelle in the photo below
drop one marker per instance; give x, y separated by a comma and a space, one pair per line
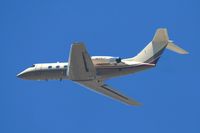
105, 59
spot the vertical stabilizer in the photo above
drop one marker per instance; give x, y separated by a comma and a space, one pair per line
152, 52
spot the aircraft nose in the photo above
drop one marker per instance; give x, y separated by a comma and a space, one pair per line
20, 75
24, 74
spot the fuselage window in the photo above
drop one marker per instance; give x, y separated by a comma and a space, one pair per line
57, 66
65, 66
49, 67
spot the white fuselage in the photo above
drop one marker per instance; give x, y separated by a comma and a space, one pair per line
91, 72
106, 67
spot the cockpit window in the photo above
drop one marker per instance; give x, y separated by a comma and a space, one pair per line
65, 66
49, 67
33, 66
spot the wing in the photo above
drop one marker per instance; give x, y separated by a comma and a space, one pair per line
80, 64
102, 88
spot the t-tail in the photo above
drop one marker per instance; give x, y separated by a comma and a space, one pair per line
153, 51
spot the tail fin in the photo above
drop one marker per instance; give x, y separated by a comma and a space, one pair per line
152, 52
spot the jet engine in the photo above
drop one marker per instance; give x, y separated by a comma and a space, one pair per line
105, 59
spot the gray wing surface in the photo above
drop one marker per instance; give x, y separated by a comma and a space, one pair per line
106, 90
80, 64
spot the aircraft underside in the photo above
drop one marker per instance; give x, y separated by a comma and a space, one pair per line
105, 72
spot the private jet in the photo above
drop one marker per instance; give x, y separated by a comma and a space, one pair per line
92, 71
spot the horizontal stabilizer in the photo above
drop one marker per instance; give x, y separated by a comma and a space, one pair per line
171, 46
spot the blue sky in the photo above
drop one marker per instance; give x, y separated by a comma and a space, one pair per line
42, 31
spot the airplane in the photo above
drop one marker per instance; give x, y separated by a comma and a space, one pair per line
92, 71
